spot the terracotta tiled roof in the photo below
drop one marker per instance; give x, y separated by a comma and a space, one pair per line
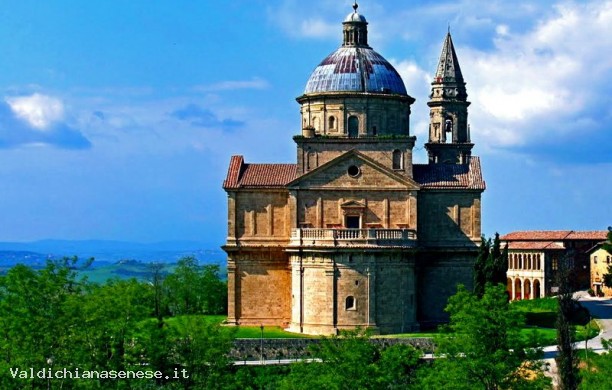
588, 235
534, 245
233, 173
546, 235
450, 176
241, 175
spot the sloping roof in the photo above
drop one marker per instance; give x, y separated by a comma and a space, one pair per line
448, 67
436, 176
535, 245
450, 176
548, 235
241, 175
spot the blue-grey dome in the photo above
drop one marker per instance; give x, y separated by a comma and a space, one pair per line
355, 69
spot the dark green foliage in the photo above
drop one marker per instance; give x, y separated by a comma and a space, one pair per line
595, 373
567, 360
484, 348
350, 361
258, 377
491, 264
195, 289
49, 319
607, 278
480, 267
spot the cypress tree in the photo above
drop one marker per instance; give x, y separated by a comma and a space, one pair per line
480, 267
567, 361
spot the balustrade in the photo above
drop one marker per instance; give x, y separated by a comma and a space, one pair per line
382, 237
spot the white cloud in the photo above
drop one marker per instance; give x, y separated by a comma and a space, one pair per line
541, 78
502, 29
415, 79
318, 28
40, 111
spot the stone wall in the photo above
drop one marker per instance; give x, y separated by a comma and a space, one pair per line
260, 215
348, 288
377, 114
314, 152
381, 209
438, 274
275, 349
259, 287
449, 218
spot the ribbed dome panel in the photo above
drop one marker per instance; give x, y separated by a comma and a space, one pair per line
355, 69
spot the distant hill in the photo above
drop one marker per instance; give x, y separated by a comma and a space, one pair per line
106, 252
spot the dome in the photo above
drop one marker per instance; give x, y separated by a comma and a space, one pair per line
354, 17
355, 69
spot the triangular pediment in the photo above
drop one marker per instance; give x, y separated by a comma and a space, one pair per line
353, 170
353, 204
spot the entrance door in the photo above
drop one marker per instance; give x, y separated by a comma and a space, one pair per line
352, 222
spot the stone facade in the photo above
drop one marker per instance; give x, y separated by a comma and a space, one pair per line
601, 259
354, 234
533, 260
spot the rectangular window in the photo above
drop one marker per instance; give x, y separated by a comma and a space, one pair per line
608, 259
595, 259
555, 264
353, 222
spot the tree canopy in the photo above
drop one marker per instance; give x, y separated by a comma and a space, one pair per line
483, 347
491, 264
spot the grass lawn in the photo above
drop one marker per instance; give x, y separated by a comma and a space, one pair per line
536, 305
269, 332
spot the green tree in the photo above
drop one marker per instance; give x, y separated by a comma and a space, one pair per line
37, 327
595, 375
201, 348
483, 348
480, 267
498, 260
195, 289
566, 359
351, 361
397, 367
607, 278
491, 264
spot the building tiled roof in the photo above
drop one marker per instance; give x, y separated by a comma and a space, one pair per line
241, 175
443, 176
438, 176
547, 235
534, 245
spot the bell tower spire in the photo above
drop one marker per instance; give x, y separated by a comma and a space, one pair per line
449, 133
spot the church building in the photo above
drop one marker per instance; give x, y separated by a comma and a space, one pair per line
354, 234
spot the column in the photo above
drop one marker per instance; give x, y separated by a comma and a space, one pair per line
231, 218
231, 292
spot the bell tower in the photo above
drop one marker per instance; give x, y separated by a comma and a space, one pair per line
449, 132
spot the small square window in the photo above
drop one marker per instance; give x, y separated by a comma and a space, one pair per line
350, 303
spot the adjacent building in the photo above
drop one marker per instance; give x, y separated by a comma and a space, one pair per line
601, 259
533, 260
354, 234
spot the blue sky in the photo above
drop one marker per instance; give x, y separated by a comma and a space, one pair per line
118, 118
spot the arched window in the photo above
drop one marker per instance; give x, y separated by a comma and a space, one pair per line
331, 122
398, 160
350, 303
353, 127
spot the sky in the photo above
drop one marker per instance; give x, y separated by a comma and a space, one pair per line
118, 118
